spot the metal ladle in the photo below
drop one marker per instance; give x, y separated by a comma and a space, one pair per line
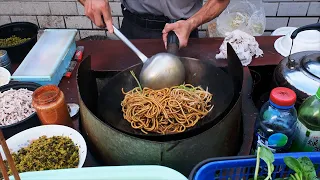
162, 70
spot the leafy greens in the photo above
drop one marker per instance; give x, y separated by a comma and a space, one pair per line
303, 167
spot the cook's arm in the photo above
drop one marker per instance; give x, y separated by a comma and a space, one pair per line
99, 12
82, 2
210, 10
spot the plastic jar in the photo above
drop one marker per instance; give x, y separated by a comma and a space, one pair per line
275, 125
50, 105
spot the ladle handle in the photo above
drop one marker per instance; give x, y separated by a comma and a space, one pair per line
173, 41
130, 45
315, 26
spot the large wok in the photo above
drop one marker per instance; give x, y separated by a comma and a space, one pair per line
198, 73
220, 137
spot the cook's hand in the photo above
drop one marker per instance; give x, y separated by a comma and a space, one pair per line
182, 29
99, 12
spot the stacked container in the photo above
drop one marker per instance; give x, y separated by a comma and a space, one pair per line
5, 60
49, 59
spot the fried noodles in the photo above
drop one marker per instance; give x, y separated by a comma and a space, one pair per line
166, 111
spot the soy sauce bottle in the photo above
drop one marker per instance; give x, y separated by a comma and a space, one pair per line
276, 122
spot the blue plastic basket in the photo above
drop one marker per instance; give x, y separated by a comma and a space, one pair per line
243, 167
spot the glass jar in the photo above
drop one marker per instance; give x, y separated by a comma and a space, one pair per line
50, 105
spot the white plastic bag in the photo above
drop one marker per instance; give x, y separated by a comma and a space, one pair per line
247, 16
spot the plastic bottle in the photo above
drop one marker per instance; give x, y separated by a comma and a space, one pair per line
307, 134
276, 122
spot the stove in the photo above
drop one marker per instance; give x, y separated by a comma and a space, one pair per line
117, 148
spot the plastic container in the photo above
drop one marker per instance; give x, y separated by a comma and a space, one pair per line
49, 59
243, 167
27, 123
50, 106
147, 172
23, 30
5, 61
276, 122
4, 76
307, 136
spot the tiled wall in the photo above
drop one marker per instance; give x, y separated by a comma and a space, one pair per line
70, 14
55, 14
291, 13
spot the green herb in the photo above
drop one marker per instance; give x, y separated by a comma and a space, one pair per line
308, 169
183, 86
134, 76
294, 164
12, 41
257, 164
57, 152
267, 156
303, 167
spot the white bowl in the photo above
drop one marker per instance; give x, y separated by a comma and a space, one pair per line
305, 41
283, 31
24, 138
5, 76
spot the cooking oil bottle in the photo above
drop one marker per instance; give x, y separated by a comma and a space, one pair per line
307, 136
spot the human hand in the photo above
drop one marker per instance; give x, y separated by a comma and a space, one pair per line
99, 12
182, 29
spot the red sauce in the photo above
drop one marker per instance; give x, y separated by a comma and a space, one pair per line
50, 105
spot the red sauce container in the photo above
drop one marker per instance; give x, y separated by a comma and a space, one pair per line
50, 105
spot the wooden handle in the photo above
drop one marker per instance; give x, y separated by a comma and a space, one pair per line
9, 157
3, 169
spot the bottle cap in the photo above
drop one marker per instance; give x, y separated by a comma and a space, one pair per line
283, 97
318, 93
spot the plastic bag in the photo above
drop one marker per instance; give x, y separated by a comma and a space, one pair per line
246, 16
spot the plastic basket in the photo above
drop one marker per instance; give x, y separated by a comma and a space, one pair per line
231, 168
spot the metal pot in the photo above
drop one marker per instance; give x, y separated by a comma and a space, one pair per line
300, 71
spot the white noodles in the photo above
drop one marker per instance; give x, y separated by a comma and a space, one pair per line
15, 106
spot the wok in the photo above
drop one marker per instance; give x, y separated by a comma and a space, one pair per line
198, 73
114, 147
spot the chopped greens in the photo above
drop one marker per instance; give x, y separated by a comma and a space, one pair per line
12, 41
57, 152
183, 86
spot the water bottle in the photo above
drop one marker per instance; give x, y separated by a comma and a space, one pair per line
276, 122
307, 134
